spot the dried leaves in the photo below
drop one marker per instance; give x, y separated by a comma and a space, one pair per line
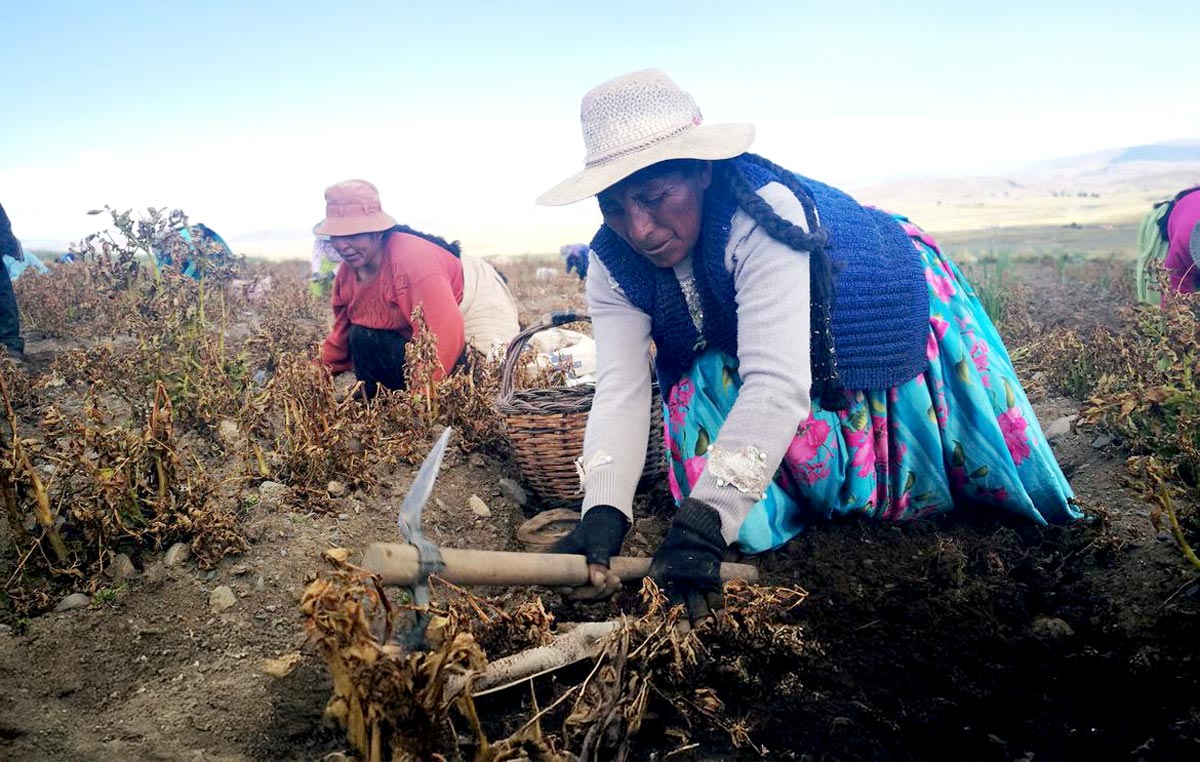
391, 702
109, 472
650, 659
1153, 404
1141, 385
465, 399
116, 489
175, 324
394, 703
1151, 476
18, 387
319, 434
497, 631
171, 364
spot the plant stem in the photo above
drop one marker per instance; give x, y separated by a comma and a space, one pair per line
1164, 499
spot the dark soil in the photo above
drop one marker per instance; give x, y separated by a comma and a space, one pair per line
973, 637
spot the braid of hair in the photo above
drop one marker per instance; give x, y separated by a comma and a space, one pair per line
826, 383
454, 248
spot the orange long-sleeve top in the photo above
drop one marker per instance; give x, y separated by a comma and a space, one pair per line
413, 272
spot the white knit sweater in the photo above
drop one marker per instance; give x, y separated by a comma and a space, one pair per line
771, 284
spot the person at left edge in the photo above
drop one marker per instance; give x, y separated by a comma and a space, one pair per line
10, 318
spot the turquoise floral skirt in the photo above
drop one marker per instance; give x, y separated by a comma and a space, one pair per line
961, 433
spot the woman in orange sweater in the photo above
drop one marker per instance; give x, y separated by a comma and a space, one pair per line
390, 270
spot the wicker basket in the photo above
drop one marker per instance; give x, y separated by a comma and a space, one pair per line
545, 426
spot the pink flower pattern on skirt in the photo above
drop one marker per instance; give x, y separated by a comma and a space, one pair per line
1014, 425
809, 438
677, 402
962, 431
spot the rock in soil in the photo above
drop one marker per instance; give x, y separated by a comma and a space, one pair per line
513, 491
122, 569
73, 601
273, 490
221, 598
478, 506
229, 432
1061, 427
177, 554
1051, 628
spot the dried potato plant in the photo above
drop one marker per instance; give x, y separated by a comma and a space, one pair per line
88, 487
292, 322
176, 324
80, 300
21, 488
392, 703
322, 431
1061, 361
650, 661
321, 435
112, 489
498, 632
1152, 403
1153, 479
1141, 384
113, 278
18, 386
465, 399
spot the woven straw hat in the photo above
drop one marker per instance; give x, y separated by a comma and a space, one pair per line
352, 207
640, 119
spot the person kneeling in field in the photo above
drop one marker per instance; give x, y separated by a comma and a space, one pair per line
325, 261
388, 272
817, 358
1183, 242
10, 316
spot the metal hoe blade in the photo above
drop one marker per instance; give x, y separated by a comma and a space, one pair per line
409, 520
409, 523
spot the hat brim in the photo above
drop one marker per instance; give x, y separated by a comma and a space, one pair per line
711, 142
376, 222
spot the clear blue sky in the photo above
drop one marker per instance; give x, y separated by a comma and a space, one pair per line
462, 112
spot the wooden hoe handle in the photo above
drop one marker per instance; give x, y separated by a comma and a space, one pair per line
397, 564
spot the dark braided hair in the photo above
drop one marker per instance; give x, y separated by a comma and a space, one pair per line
454, 248
826, 383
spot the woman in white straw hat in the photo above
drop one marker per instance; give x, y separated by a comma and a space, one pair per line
389, 271
817, 358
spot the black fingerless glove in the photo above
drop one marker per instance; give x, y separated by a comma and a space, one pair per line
688, 563
598, 535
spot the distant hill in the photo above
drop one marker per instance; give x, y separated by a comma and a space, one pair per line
1160, 152
1112, 188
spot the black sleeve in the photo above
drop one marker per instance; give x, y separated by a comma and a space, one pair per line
9, 246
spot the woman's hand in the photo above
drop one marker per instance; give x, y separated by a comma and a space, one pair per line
598, 536
687, 566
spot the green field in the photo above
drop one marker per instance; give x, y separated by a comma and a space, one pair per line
1083, 241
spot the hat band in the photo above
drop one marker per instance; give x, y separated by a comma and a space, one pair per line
642, 145
351, 210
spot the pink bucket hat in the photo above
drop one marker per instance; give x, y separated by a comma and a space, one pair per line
352, 207
636, 120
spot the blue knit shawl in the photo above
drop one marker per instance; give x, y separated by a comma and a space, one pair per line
880, 313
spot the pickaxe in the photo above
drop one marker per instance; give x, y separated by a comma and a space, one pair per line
428, 558
410, 564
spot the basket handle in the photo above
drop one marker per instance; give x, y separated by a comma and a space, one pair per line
515, 347
555, 318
